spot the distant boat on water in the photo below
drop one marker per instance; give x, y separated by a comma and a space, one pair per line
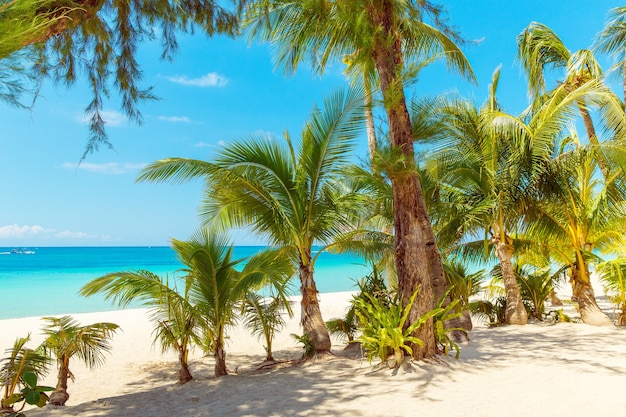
16, 251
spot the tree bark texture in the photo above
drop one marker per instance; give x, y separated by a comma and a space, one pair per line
220, 358
184, 375
60, 395
515, 311
583, 293
370, 128
311, 317
411, 223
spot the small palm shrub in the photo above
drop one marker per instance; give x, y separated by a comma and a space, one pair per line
346, 327
493, 312
383, 333
613, 276
263, 317
19, 372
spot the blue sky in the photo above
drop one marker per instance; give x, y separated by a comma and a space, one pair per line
216, 90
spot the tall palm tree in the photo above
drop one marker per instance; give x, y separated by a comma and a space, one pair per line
539, 50
483, 173
285, 193
209, 299
384, 33
174, 319
65, 338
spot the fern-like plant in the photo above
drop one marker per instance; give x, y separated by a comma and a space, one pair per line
263, 317
383, 333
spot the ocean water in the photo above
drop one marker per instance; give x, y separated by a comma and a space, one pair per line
46, 281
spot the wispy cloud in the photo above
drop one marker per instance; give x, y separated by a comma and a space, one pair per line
212, 79
14, 231
111, 168
175, 119
112, 118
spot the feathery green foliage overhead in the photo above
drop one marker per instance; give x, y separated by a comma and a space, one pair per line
98, 39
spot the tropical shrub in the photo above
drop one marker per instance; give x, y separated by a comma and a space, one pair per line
613, 276
264, 317
383, 333
442, 333
65, 338
19, 372
307, 344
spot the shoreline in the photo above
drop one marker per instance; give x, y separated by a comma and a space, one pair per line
534, 360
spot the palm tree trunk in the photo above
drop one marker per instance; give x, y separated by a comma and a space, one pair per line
184, 375
312, 323
60, 395
220, 356
583, 293
593, 138
369, 121
515, 311
410, 216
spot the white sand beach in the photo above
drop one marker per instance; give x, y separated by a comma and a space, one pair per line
538, 369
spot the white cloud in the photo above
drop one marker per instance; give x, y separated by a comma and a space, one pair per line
13, 230
69, 234
175, 119
212, 79
112, 118
203, 145
113, 168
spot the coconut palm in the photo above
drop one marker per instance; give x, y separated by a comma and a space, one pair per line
612, 40
285, 193
65, 338
383, 33
540, 50
210, 297
483, 172
173, 317
579, 213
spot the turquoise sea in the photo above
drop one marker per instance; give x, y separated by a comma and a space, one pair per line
46, 280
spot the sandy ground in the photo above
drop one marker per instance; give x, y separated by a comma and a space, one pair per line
551, 369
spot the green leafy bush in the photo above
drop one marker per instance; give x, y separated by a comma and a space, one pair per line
383, 334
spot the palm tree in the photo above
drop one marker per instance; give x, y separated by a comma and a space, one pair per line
171, 313
612, 40
579, 213
483, 174
384, 33
286, 194
65, 338
208, 301
613, 276
539, 50
263, 317
218, 289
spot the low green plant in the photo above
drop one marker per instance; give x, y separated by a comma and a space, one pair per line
442, 333
309, 349
31, 393
383, 333
19, 372
346, 327
491, 311
263, 317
